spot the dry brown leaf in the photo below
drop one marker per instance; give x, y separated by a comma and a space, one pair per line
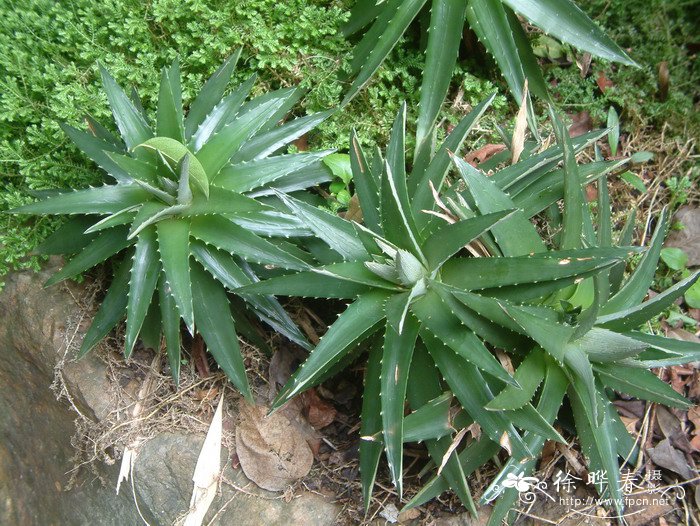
273, 453
630, 424
319, 413
483, 154
603, 82
584, 64
580, 123
666, 456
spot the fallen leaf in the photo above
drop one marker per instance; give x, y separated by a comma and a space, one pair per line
302, 143
483, 154
390, 513
584, 64
273, 453
409, 515
630, 424
199, 356
318, 412
603, 82
206, 471
664, 455
580, 123
672, 428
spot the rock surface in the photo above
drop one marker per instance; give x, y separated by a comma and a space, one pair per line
36, 431
688, 238
163, 475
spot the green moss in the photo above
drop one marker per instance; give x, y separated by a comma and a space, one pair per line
48, 74
653, 31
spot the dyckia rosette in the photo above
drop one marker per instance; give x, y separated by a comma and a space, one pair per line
584, 340
188, 212
497, 26
407, 271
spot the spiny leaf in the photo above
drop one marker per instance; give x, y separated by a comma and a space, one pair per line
111, 309
338, 233
222, 146
142, 283
439, 321
103, 247
473, 393
133, 127
174, 248
396, 358
641, 384
634, 317
436, 168
445, 34
169, 122
264, 144
396, 216
227, 235
170, 318
424, 386
516, 236
564, 20
97, 149
214, 322
483, 273
380, 40
673, 352
98, 200
370, 450
353, 325
222, 113
529, 374
366, 186
210, 94
69, 238
451, 238
573, 194
635, 288
247, 176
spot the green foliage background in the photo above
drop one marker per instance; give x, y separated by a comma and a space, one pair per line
49, 50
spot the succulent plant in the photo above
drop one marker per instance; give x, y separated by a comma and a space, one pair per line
189, 211
433, 317
496, 25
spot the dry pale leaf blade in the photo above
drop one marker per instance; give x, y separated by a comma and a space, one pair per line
272, 451
207, 470
455, 442
127, 467
518, 142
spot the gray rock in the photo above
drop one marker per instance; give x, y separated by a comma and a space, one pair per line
163, 477
688, 238
35, 429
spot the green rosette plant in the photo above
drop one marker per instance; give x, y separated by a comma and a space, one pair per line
582, 342
496, 25
187, 213
440, 276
